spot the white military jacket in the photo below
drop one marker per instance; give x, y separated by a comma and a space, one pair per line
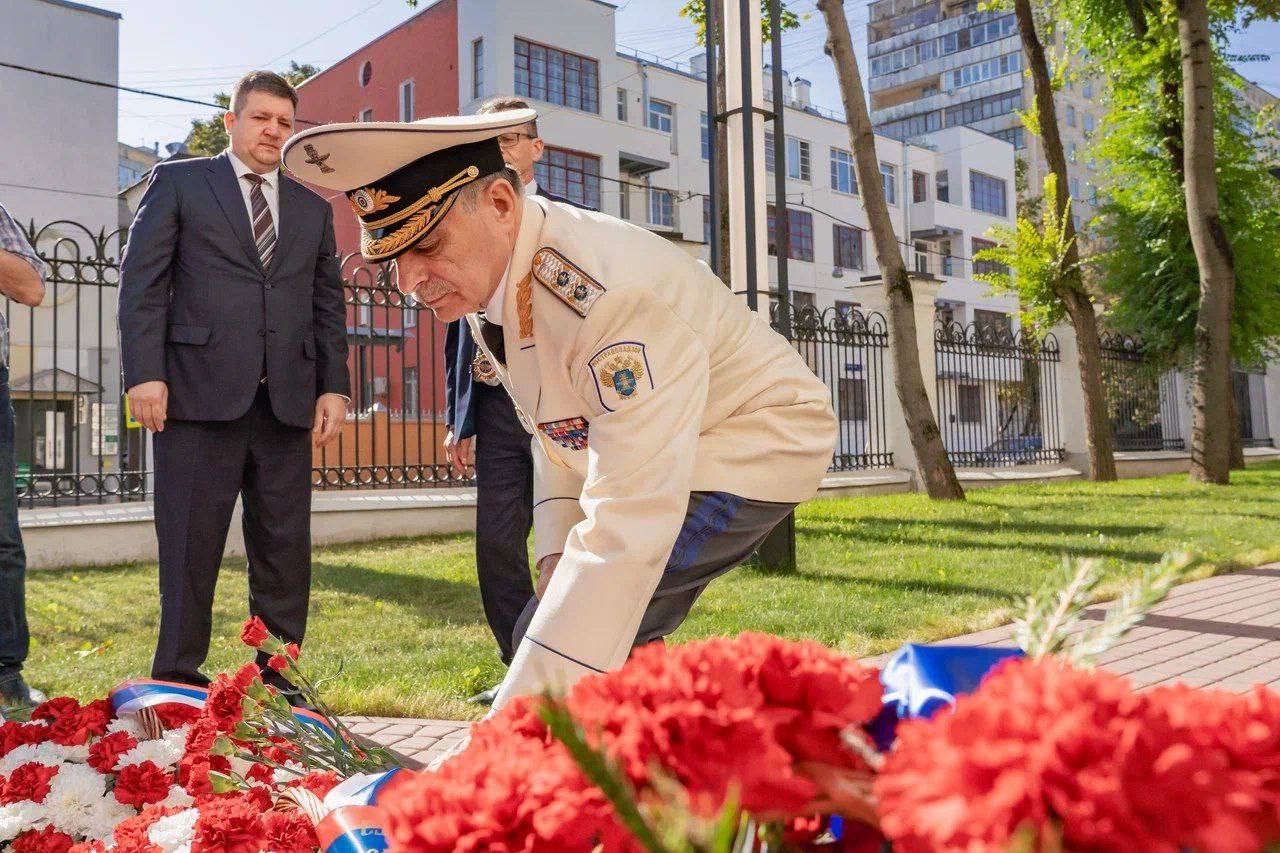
642, 378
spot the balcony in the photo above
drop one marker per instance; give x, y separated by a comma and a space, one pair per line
942, 27
940, 64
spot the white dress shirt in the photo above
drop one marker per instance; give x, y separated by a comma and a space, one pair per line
270, 190
531, 188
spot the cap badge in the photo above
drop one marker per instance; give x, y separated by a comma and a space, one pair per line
315, 158
370, 200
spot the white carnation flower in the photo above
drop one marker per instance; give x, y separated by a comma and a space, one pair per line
38, 753
178, 798
163, 752
175, 832
280, 776
73, 798
128, 724
78, 753
17, 818
103, 817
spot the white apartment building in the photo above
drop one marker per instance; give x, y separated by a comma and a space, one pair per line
627, 134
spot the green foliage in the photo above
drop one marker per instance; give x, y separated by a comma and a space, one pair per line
209, 137
696, 11
1148, 271
1033, 260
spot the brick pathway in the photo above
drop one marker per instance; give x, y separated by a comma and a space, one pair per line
1221, 632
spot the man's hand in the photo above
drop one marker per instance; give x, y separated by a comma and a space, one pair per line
546, 567
331, 413
19, 280
149, 404
457, 451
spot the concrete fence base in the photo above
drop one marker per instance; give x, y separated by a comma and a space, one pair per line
112, 534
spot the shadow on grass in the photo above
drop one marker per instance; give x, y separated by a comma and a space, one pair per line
924, 585
1003, 526
437, 598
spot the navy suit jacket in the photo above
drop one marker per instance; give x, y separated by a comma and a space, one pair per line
199, 311
459, 352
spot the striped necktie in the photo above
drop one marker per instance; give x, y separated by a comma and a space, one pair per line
264, 230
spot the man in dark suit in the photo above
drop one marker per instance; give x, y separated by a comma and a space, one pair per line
233, 339
483, 430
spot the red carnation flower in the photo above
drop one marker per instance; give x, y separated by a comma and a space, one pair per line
142, 784
131, 833
225, 704
47, 840
278, 662
14, 734
55, 708
28, 781
254, 633
89, 847
96, 716
194, 770
289, 832
104, 753
174, 715
229, 824
319, 783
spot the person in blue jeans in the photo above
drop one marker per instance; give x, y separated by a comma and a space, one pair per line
22, 280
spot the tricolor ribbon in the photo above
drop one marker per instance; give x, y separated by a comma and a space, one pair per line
132, 696
354, 824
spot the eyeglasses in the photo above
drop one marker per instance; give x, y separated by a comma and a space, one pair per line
510, 140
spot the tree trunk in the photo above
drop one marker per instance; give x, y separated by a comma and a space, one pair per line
1070, 289
904, 351
1211, 360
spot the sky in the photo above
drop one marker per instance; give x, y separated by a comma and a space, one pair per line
196, 49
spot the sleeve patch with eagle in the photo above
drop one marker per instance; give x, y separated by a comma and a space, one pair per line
621, 373
574, 287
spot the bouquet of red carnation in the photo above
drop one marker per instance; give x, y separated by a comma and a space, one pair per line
719, 723
1044, 752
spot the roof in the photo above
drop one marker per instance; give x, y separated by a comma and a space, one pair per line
172, 158
42, 382
81, 7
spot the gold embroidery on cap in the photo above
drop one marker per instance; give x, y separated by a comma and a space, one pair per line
433, 196
371, 200
376, 249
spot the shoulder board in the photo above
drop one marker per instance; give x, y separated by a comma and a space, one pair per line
566, 280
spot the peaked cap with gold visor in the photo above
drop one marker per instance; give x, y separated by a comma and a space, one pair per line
401, 177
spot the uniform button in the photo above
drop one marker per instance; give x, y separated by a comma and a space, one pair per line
269, 286
262, 333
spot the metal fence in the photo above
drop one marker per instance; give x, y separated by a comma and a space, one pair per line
997, 395
71, 441
1142, 396
394, 436
846, 349
1250, 389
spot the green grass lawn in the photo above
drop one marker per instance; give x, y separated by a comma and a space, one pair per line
399, 624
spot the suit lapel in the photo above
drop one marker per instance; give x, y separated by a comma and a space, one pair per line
222, 180
290, 216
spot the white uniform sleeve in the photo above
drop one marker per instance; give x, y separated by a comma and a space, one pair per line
556, 505
642, 373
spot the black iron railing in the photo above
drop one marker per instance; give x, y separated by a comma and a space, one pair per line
997, 396
1142, 396
846, 349
1249, 386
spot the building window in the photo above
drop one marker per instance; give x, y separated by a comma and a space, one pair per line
1087, 88
844, 178
662, 208
1093, 195
997, 324
848, 246
411, 392
986, 266
922, 257
406, 100
557, 77
769, 156
660, 115
969, 402
803, 299
799, 234
980, 108
705, 127
1075, 188
366, 115
798, 159
942, 186
477, 68
846, 310
919, 186
706, 219
1071, 151
1011, 135
987, 193
571, 174
853, 398
948, 262
366, 73
1089, 124
988, 69
889, 174
1071, 116
622, 104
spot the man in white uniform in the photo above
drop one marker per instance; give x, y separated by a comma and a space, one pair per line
672, 427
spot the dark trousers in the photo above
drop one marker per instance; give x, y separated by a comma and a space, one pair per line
504, 512
201, 467
720, 531
14, 638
